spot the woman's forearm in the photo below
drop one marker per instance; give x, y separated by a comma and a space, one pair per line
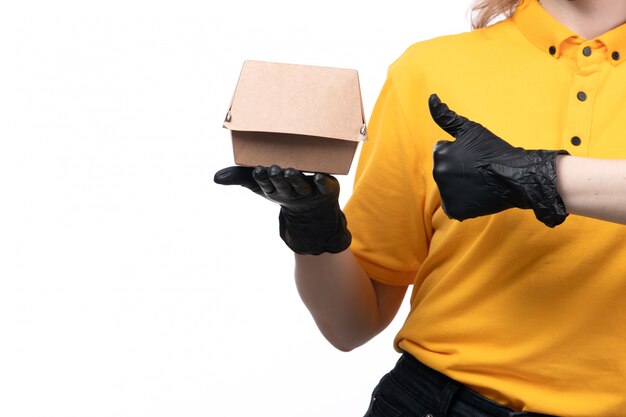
347, 306
593, 187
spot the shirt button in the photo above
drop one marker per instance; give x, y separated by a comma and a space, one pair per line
552, 50
586, 51
615, 56
576, 141
581, 96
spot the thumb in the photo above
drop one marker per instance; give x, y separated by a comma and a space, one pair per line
236, 175
448, 120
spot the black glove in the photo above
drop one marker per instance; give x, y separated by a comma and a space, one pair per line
311, 221
480, 174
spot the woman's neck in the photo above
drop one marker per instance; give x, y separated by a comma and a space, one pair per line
588, 18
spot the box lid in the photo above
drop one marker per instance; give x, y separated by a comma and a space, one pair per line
298, 99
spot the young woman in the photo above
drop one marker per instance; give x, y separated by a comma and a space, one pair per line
508, 317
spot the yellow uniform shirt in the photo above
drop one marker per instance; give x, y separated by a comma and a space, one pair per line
532, 317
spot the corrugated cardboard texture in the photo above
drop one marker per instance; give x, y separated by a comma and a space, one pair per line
306, 117
306, 153
298, 99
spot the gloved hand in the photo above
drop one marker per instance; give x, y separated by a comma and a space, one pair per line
480, 174
310, 219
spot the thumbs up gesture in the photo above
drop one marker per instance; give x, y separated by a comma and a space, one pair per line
479, 173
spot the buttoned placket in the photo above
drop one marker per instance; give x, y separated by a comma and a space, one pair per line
586, 62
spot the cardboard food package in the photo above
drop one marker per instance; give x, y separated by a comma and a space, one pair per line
306, 117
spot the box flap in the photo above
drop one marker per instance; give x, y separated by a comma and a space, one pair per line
298, 99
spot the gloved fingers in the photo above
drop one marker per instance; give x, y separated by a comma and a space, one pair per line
259, 174
277, 177
298, 181
236, 175
443, 165
326, 184
448, 120
441, 147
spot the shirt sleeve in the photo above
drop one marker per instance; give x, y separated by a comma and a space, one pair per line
386, 210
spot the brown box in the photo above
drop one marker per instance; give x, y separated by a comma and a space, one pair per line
301, 116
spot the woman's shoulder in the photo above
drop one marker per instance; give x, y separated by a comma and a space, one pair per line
453, 48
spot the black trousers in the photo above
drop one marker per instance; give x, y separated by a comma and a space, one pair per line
412, 389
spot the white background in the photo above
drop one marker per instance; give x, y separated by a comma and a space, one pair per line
131, 284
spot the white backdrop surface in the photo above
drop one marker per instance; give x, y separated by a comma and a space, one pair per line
130, 284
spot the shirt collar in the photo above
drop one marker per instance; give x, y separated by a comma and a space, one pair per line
548, 34
615, 41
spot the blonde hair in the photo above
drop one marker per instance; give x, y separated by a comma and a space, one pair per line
484, 11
